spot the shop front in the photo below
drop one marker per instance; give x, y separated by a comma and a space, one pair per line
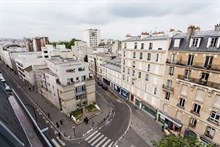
125, 93
149, 109
106, 81
172, 124
117, 88
137, 102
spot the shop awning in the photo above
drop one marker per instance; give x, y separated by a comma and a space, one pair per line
175, 121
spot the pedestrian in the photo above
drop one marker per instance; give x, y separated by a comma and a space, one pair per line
48, 114
70, 115
61, 122
59, 135
162, 128
57, 125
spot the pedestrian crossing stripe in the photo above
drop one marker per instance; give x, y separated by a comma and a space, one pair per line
58, 142
96, 139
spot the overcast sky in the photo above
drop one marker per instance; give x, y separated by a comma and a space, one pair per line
65, 19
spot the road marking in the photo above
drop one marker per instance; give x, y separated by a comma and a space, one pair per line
100, 137
51, 127
55, 143
40, 113
55, 132
89, 141
106, 143
60, 141
110, 144
91, 135
47, 121
101, 142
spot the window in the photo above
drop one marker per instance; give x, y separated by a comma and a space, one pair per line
139, 75
150, 46
148, 67
133, 81
123, 77
155, 90
133, 64
148, 56
125, 45
196, 109
176, 43
173, 58
141, 55
192, 122
171, 71
128, 71
204, 78
194, 42
181, 102
134, 55
124, 62
142, 45
124, 53
135, 45
147, 77
169, 83
127, 79
208, 61
214, 117
213, 41
210, 132
133, 73
187, 74
167, 95
190, 59
123, 69
157, 57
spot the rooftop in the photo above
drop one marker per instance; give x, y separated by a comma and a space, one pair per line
114, 64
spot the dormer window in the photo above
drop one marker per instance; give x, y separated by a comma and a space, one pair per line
176, 43
213, 41
194, 42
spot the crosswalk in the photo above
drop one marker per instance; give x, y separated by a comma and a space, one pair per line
58, 142
97, 139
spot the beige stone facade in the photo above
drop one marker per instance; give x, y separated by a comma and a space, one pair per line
192, 85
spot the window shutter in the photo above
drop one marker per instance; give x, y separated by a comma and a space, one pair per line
218, 43
200, 95
198, 43
209, 42
190, 43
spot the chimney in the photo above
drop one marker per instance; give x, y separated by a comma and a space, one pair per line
190, 31
144, 34
217, 27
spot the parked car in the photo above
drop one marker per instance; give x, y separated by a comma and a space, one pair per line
99, 83
105, 87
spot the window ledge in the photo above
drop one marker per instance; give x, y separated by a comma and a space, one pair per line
195, 113
210, 120
178, 105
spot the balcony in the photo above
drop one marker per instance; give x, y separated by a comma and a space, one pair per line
166, 87
200, 82
200, 65
80, 92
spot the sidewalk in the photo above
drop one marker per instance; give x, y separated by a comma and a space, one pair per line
142, 124
66, 129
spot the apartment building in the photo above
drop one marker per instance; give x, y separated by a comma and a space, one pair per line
91, 37
111, 74
191, 87
67, 84
143, 66
80, 50
35, 44
96, 61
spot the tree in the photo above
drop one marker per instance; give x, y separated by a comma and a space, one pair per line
178, 141
68, 44
86, 58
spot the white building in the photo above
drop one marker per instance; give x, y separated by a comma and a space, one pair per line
67, 84
111, 74
96, 61
143, 66
91, 37
80, 50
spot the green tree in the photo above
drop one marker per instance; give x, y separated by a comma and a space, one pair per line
178, 141
68, 44
86, 58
